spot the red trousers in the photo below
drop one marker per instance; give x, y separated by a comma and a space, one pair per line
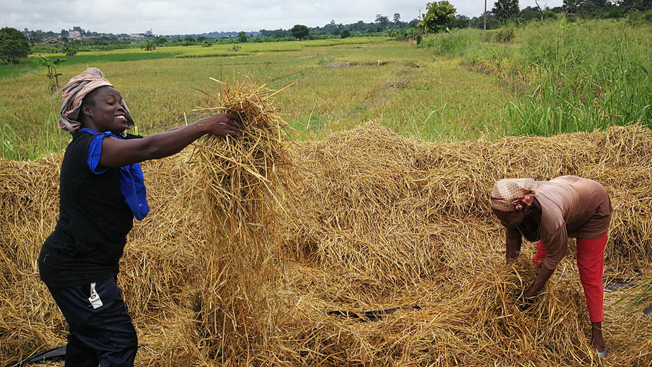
590, 262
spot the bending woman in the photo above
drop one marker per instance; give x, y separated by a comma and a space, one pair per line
101, 191
550, 212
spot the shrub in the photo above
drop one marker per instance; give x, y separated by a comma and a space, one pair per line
504, 35
13, 45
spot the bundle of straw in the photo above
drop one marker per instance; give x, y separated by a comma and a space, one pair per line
235, 301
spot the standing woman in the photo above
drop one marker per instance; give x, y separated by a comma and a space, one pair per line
550, 212
101, 191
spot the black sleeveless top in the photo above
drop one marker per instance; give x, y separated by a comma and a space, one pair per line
93, 224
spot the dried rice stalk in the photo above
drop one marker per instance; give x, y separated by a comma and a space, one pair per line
237, 291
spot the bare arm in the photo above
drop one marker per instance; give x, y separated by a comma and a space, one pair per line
542, 278
513, 242
118, 152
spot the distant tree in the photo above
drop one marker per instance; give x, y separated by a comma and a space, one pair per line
70, 49
13, 45
207, 43
505, 9
571, 7
242, 37
634, 5
540, 8
300, 31
438, 16
460, 21
149, 45
161, 41
359, 26
345, 34
590, 7
274, 33
382, 20
52, 70
397, 18
33, 38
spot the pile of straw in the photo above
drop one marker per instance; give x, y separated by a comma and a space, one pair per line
28, 213
256, 250
389, 222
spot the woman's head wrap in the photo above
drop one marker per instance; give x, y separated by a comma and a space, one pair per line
73, 95
508, 193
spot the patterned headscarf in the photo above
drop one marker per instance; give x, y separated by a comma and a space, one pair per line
73, 95
508, 193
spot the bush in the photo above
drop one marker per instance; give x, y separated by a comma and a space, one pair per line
456, 43
70, 49
13, 45
504, 35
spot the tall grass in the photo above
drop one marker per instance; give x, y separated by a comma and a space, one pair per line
586, 76
580, 77
454, 44
564, 77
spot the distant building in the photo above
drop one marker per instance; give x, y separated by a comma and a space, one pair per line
52, 41
74, 35
137, 36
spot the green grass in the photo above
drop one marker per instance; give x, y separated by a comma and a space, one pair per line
549, 79
401, 86
566, 77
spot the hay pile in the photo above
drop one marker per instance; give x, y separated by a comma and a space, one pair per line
390, 222
254, 254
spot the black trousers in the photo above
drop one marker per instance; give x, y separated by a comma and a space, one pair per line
101, 331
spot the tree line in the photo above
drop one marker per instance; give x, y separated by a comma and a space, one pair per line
439, 16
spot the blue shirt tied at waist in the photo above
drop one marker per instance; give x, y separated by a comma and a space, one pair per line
132, 182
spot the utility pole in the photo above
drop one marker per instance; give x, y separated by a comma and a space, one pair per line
484, 34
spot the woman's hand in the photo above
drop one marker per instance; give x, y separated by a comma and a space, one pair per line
525, 303
222, 124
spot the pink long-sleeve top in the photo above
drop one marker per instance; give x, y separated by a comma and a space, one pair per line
570, 207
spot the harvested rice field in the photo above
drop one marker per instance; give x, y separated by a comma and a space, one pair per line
364, 249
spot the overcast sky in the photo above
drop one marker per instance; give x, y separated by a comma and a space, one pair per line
203, 16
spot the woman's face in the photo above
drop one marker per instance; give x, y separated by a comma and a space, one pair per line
510, 219
105, 111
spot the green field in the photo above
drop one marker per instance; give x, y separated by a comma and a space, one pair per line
548, 78
396, 83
